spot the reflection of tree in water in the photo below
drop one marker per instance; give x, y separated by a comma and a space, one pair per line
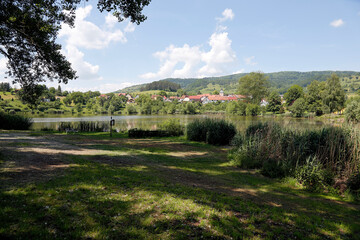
124, 123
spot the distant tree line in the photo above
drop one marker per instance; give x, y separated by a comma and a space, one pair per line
161, 85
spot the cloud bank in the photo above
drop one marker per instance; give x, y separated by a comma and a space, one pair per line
192, 61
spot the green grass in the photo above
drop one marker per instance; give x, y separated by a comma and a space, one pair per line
163, 189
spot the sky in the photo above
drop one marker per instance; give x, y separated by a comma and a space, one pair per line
202, 38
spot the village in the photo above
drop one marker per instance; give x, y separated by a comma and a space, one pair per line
202, 98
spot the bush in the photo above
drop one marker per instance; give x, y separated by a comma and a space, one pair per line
352, 112
297, 109
273, 169
139, 133
173, 127
15, 122
212, 131
311, 175
252, 109
353, 183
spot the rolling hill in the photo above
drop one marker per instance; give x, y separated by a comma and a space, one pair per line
280, 81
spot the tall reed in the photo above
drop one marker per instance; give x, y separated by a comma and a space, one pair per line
84, 126
336, 148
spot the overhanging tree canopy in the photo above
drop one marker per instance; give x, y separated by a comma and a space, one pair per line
28, 30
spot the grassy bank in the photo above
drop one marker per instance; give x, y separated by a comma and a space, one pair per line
91, 186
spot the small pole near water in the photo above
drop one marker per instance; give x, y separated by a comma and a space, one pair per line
112, 123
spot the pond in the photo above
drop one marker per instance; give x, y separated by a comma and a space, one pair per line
152, 122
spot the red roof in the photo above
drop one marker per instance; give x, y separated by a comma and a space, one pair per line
122, 94
198, 97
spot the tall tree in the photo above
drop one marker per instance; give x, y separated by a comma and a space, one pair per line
28, 31
293, 93
274, 101
254, 86
335, 94
314, 97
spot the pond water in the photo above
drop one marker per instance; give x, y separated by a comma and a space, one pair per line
152, 122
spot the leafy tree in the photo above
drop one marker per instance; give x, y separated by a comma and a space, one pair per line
274, 101
334, 94
254, 86
252, 109
28, 31
315, 96
293, 93
215, 92
352, 112
298, 107
67, 100
58, 91
78, 107
5, 87
78, 97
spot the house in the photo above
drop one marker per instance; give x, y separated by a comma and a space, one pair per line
104, 96
195, 98
263, 103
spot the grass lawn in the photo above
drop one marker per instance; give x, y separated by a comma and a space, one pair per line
90, 186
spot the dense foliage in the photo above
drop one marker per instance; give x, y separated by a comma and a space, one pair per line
29, 29
254, 86
161, 85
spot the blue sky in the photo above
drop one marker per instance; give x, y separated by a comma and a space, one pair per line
198, 38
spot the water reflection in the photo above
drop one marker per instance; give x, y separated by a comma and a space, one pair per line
152, 122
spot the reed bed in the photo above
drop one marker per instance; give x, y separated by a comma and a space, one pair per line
84, 126
336, 149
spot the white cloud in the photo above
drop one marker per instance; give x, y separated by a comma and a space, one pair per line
250, 61
337, 23
110, 20
3, 68
130, 27
88, 35
171, 56
239, 71
220, 54
84, 70
194, 61
227, 14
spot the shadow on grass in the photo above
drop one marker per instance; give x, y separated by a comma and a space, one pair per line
152, 195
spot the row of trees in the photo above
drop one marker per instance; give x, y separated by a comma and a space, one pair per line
319, 97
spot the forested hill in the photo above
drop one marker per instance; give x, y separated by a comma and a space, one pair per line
280, 81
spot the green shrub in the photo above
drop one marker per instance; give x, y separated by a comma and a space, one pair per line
173, 127
311, 175
297, 109
15, 122
352, 112
273, 169
212, 131
252, 109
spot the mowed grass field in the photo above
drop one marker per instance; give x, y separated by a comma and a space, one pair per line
90, 186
